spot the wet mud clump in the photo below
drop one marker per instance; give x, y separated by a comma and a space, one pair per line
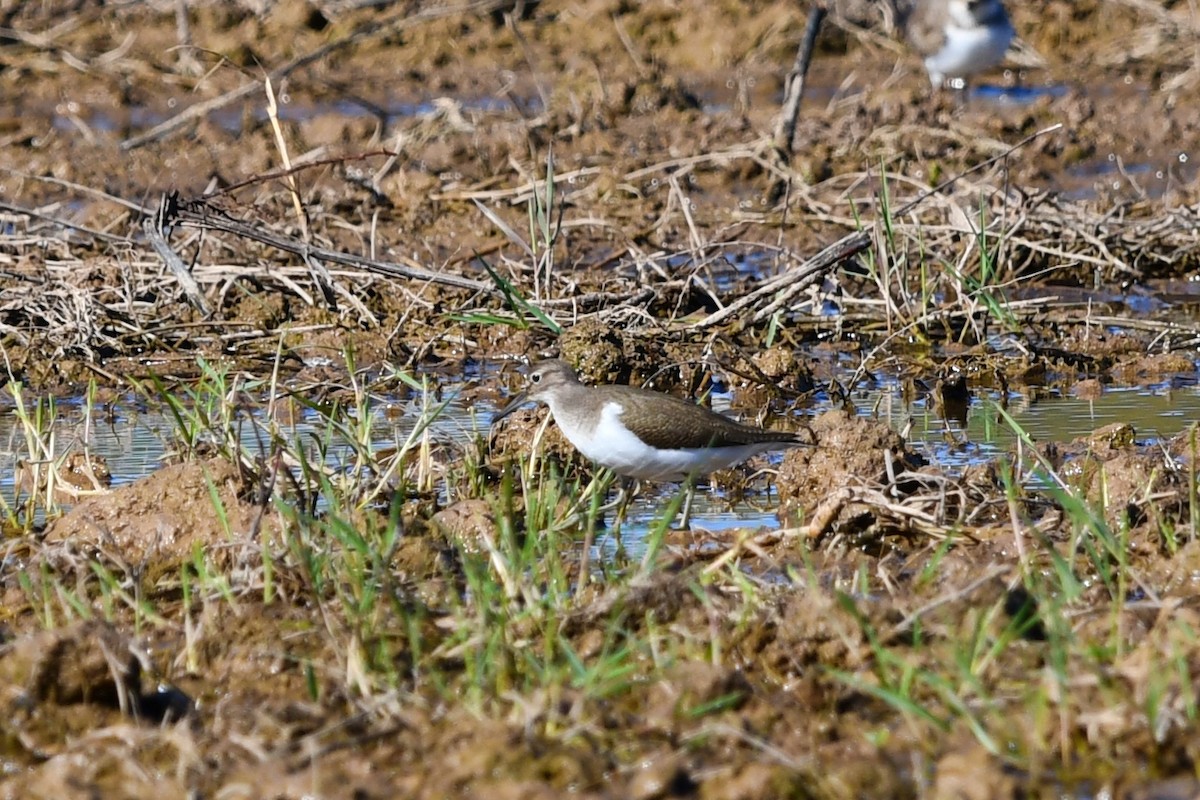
162, 519
850, 450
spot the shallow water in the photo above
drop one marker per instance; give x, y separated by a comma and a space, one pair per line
1156, 412
134, 441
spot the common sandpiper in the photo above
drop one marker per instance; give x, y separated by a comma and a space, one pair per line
642, 434
958, 38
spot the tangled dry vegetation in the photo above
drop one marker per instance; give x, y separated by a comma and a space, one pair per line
324, 223
309, 205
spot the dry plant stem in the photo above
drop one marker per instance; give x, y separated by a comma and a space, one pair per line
153, 227
791, 283
823, 517
539, 81
281, 146
86, 191
908, 516
28, 212
789, 114
201, 216
318, 163
795, 280
1018, 531
316, 269
758, 743
186, 62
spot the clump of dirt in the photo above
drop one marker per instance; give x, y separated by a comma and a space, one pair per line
80, 474
162, 520
82, 663
783, 368
1143, 368
970, 772
64, 683
1109, 471
850, 450
470, 524
808, 632
767, 375
1088, 389
597, 352
603, 353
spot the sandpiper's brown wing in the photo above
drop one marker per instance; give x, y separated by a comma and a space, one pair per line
668, 422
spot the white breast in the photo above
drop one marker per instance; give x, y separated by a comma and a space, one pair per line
969, 50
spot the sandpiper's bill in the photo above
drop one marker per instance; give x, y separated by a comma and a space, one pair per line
958, 38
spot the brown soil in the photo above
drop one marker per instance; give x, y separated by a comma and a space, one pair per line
674, 205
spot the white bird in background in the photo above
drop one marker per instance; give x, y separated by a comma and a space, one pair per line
958, 38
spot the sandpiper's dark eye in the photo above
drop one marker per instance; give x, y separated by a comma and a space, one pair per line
535, 377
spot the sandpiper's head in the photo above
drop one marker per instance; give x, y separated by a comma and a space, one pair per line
544, 378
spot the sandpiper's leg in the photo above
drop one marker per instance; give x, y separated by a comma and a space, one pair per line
597, 491
689, 488
629, 489
585, 556
594, 495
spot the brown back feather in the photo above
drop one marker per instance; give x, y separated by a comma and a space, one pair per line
687, 425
